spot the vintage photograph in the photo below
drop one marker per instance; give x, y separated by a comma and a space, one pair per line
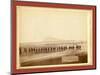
53, 37
49, 36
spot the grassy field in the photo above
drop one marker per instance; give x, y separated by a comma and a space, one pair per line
55, 61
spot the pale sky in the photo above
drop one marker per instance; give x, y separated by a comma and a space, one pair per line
37, 23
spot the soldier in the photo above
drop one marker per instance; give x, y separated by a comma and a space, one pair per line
71, 47
78, 47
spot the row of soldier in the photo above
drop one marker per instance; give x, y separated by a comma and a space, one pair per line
30, 51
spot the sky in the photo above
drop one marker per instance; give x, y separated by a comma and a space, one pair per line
36, 24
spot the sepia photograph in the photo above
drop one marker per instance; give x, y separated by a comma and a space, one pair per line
49, 36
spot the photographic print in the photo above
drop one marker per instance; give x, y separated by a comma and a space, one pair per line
53, 37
